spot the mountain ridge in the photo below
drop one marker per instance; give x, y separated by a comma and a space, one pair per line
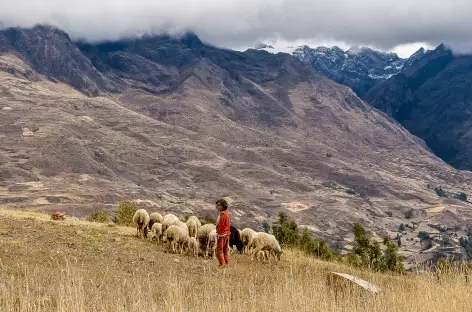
360, 68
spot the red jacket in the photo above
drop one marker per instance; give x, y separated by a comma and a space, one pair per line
223, 223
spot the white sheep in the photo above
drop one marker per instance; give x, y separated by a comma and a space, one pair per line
179, 224
247, 236
141, 219
154, 217
192, 246
265, 242
167, 221
193, 225
211, 244
202, 235
177, 237
196, 220
157, 231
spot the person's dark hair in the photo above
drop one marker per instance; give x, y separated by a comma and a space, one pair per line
223, 203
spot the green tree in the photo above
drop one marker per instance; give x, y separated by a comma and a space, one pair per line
125, 213
314, 247
368, 253
286, 231
393, 261
288, 234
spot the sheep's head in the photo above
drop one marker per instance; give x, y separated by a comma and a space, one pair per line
279, 254
240, 247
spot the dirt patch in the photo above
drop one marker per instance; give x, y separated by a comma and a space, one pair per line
437, 209
295, 206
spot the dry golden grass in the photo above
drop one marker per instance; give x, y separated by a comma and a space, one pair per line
80, 266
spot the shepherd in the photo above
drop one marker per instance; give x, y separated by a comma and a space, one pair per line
223, 233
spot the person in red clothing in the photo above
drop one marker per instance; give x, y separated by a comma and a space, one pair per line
223, 232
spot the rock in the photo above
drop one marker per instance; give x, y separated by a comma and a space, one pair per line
187, 210
342, 282
58, 216
7, 108
27, 132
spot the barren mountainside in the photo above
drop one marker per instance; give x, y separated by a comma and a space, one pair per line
178, 123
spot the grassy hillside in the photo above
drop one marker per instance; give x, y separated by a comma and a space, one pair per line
75, 265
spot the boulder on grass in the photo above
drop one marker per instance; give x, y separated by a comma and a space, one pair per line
343, 283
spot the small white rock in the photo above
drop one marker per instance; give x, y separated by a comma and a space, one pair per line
27, 132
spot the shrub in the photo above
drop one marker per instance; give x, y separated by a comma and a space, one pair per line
314, 247
440, 192
389, 214
266, 226
424, 235
409, 214
350, 192
466, 243
124, 214
286, 231
462, 196
98, 216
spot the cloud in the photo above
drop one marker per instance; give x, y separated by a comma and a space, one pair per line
384, 24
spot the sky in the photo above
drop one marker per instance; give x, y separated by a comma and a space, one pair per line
401, 25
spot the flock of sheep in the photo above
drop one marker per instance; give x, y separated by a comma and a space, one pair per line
194, 238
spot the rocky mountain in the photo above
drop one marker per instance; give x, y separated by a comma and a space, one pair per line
177, 123
432, 99
359, 68
50, 52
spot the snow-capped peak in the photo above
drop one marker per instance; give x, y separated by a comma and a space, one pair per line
263, 46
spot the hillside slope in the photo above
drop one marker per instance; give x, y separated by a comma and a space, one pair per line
186, 123
75, 265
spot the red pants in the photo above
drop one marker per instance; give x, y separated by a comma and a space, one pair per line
222, 250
